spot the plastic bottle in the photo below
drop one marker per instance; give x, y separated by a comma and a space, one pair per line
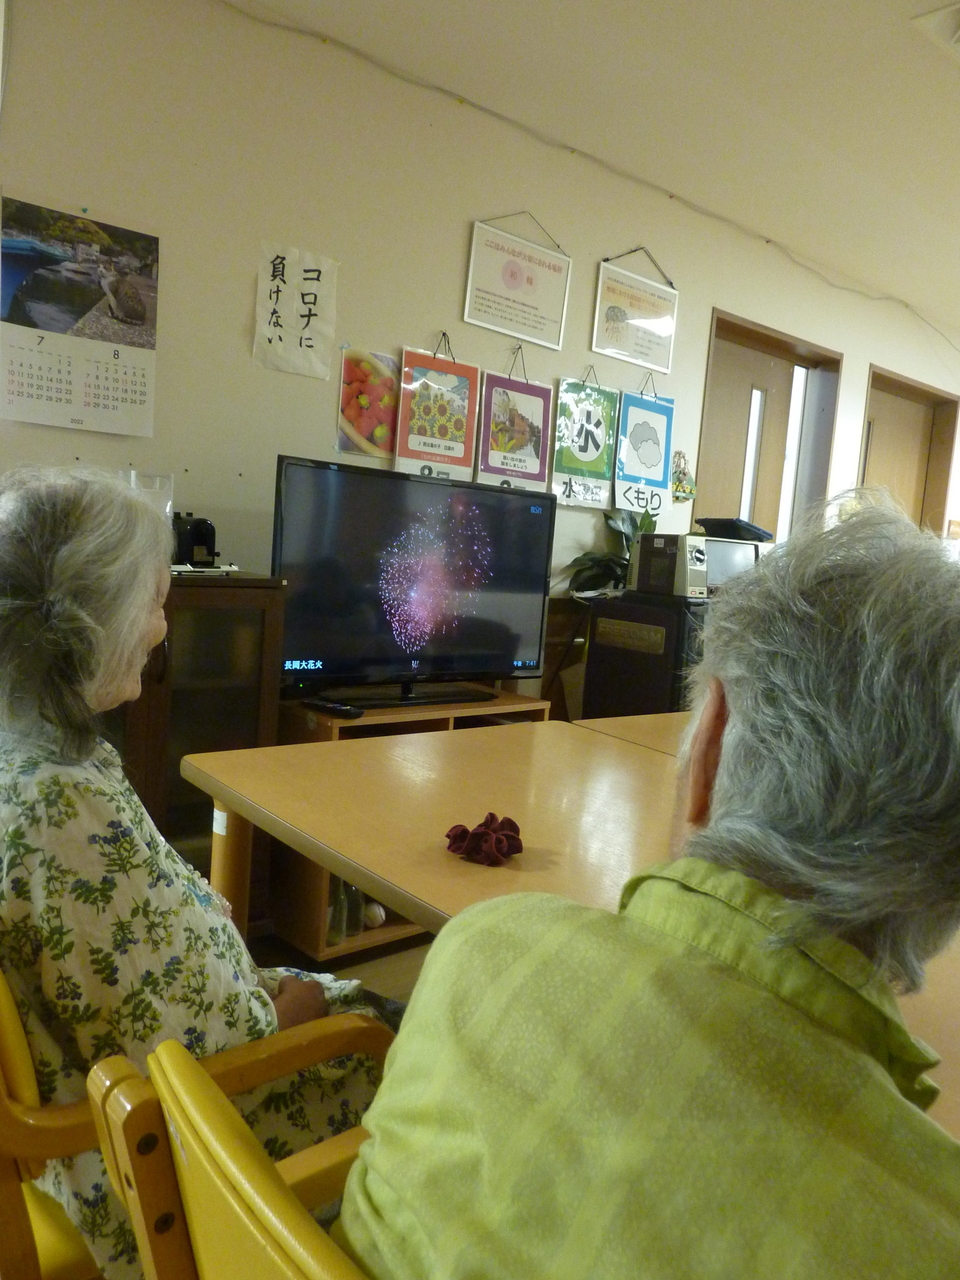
336, 912
355, 905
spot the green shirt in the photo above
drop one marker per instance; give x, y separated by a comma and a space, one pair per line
659, 1093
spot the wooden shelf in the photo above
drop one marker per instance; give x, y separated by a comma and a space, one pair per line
304, 724
372, 938
213, 685
300, 888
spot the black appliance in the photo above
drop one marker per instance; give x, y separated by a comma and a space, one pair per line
196, 541
733, 527
640, 648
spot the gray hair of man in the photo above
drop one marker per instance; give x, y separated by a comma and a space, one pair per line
838, 782
81, 556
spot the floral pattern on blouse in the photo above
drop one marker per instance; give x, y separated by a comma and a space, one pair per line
111, 943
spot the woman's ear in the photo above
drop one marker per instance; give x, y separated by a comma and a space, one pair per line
704, 755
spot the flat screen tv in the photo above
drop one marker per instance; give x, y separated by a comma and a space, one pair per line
397, 580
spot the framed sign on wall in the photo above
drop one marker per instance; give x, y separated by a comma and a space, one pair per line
634, 318
517, 287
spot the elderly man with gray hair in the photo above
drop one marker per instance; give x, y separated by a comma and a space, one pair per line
715, 1082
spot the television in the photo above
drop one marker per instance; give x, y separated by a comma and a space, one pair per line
403, 581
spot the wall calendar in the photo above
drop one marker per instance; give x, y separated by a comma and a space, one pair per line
78, 321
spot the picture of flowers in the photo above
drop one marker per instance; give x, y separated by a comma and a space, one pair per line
436, 426
369, 397
439, 409
514, 433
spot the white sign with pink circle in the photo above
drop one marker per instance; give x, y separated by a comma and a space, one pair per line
517, 287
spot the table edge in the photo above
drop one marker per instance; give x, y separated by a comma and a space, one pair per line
385, 891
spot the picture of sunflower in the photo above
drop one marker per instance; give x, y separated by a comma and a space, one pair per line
438, 412
437, 420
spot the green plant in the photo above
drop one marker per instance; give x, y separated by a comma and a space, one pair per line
594, 570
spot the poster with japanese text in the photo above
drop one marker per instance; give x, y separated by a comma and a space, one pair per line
296, 311
514, 449
517, 287
585, 444
643, 450
369, 398
437, 422
78, 321
634, 319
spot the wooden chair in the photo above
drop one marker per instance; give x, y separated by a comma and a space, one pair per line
206, 1201
37, 1239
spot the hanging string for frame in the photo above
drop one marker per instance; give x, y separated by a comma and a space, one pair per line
587, 372
518, 355
641, 248
445, 344
524, 213
649, 380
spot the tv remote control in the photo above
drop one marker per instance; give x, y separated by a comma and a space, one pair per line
342, 710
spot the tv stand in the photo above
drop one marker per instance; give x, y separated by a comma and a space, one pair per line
406, 694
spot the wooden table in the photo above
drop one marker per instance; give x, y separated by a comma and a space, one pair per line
592, 812
659, 732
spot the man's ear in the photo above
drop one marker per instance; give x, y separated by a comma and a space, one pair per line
704, 755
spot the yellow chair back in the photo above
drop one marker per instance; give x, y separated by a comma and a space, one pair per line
16, 1064
37, 1239
230, 1188
206, 1201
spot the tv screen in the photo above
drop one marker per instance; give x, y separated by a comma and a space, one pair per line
394, 578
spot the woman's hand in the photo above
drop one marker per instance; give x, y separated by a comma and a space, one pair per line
299, 1000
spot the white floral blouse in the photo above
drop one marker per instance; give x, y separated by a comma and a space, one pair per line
111, 943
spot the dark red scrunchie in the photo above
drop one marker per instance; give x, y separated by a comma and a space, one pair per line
491, 843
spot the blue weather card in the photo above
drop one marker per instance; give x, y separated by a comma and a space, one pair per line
643, 448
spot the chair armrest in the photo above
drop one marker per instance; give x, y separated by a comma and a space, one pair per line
240, 1069
43, 1133
35, 1134
244, 1067
317, 1174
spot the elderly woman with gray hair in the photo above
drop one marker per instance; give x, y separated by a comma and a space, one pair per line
714, 1082
109, 941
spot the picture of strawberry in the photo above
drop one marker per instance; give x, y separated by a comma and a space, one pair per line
368, 403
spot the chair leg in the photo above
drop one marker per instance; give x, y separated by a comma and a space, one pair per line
20, 1260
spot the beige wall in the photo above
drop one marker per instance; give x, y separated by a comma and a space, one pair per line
189, 120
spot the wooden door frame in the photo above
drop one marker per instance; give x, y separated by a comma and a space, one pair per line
774, 342
934, 398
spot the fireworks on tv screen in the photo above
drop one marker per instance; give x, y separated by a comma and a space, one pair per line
393, 577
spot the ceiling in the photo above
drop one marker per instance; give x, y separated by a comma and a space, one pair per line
830, 126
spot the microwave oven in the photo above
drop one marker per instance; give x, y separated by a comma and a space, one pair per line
688, 564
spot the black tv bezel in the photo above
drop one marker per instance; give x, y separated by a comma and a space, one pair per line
298, 684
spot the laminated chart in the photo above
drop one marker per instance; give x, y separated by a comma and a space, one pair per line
515, 419
437, 422
643, 451
585, 444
